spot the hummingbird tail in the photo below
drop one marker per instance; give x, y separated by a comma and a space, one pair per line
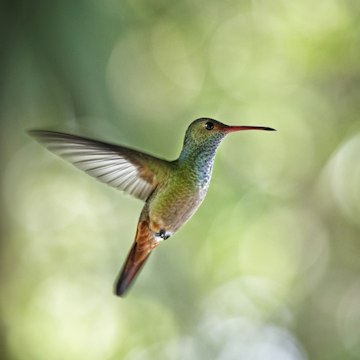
136, 258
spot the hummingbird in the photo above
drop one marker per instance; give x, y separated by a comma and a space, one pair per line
172, 190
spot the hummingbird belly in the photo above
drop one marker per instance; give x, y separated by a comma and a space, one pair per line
172, 206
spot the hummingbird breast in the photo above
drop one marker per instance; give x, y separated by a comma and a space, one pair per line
176, 200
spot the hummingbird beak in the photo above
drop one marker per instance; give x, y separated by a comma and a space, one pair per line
229, 129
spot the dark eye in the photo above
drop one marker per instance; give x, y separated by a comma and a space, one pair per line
209, 125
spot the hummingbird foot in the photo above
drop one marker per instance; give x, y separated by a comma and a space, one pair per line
163, 234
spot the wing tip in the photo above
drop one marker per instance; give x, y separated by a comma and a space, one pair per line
34, 132
42, 135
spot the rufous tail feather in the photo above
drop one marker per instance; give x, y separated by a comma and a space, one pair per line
139, 253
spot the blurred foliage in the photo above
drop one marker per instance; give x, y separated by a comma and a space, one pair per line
269, 266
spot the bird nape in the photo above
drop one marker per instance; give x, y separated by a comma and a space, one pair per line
172, 190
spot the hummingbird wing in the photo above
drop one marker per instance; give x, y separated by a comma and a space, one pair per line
143, 245
115, 165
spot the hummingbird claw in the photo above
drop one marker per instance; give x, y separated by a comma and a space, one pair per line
163, 234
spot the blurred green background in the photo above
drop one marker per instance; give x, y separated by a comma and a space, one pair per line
269, 267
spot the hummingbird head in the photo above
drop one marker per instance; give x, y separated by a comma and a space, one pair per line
204, 136
209, 131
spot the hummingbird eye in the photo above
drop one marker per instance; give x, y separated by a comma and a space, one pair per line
209, 125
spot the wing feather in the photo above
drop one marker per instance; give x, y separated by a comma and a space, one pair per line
134, 172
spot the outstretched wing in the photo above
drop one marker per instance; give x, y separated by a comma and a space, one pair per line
134, 172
